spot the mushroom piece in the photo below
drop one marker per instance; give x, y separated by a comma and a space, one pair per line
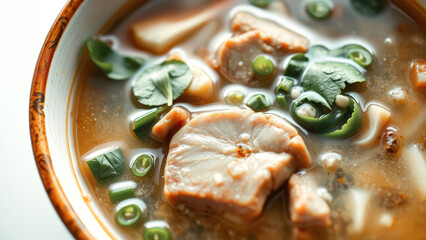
378, 117
228, 162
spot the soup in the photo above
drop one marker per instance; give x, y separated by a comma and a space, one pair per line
256, 120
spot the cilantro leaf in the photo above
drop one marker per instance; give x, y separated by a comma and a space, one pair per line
107, 166
329, 78
152, 85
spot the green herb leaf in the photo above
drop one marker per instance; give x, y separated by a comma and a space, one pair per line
328, 78
107, 166
115, 65
153, 88
368, 8
296, 65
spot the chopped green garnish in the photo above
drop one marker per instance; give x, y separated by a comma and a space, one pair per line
328, 78
162, 83
319, 9
107, 166
115, 65
143, 124
142, 165
234, 98
284, 85
157, 233
119, 194
129, 215
260, 3
263, 66
296, 65
281, 100
258, 102
357, 53
353, 121
368, 8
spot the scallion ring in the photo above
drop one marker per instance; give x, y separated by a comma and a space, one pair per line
262, 66
360, 56
142, 165
128, 215
318, 9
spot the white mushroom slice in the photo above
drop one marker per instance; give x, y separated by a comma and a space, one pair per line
377, 116
232, 159
416, 169
160, 34
358, 203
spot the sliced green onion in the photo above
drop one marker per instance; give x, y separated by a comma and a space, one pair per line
284, 85
260, 3
318, 9
234, 98
368, 8
119, 194
157, 233
128, 215
281, 100
142, 165
360, 56
142, 125
296, 65
353, 123
258, 102
263, 66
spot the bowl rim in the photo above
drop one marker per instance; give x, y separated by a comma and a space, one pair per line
38, 129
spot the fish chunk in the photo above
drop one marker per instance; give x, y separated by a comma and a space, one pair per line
228, 162
169, 124
254, 37
307, 208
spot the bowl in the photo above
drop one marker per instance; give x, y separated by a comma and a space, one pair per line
53, 90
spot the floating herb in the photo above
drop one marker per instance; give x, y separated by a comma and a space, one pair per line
328, 78
107, 166
162, 83
115, 65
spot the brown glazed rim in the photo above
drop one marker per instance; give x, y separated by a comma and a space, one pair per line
38, 128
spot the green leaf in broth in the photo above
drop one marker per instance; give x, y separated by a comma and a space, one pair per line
153, 85
329, 78
115, 65
108, 166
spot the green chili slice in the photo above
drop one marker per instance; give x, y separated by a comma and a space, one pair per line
284, 85
128, 215
260, 3
318, 9
258, 102
361, 56
281, 100
313, 124
262, 66
353, 123
119, 194
142, 165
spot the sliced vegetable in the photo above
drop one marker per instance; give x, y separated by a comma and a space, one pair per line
143, 124
328, 78
368, 8
162, 83
357, 53
119, 194
319, 9
142, 165
129, 215
115, 65
296, 65
260, 3
262, 66
317, 51
258, 102
234, 97
107, 166
312, 123
281, 100
284, 85
377, 118
353, 123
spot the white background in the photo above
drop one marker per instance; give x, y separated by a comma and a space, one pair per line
25, 209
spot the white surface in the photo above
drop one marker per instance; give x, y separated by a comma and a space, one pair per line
25, 209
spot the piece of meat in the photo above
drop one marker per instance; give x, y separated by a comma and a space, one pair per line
307, 208
169, 124
228, 162
418, 74
254, 37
